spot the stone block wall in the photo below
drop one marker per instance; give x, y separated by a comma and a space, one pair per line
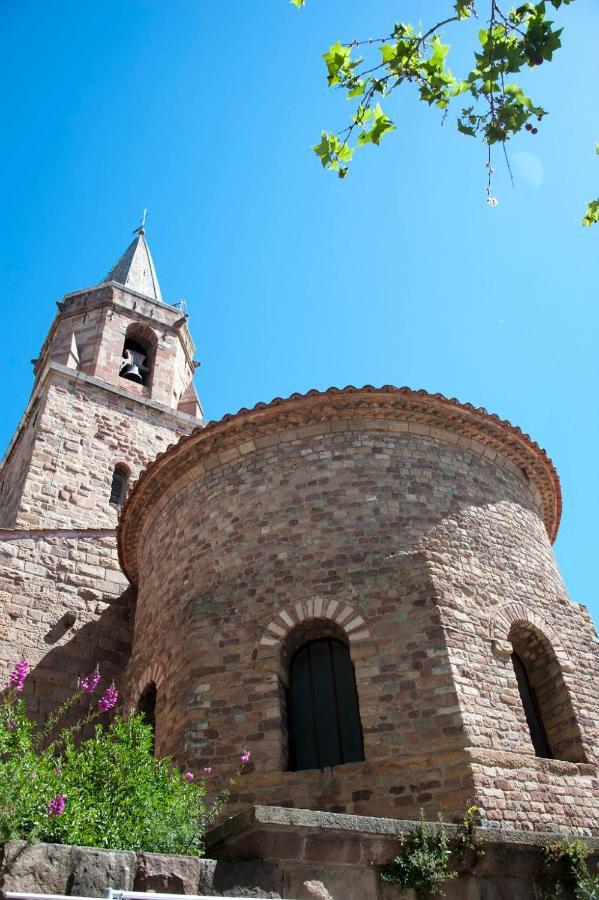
279, 853
58, 472
65, 605
58, 554
13, 473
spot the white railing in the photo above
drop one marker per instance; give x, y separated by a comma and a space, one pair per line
112, 894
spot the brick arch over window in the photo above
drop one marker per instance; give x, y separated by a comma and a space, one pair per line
511, 613
302, 622
539, 661
343, 614
153, 674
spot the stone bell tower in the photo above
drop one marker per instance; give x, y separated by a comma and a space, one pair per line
113, 387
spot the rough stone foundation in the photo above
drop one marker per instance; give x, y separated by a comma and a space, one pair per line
284, 853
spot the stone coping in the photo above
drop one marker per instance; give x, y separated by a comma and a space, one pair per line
302, 416
66, 869
254, 829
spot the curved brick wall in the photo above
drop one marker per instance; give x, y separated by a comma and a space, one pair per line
418, 527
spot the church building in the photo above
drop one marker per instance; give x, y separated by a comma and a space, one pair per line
355, 585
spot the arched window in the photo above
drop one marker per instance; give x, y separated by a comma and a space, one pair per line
322, 707
552, 723
532, 712
120, 483
147, 706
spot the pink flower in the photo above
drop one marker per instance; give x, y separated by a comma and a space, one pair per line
108, 698
245, 756
58, 770
11, 724
18, 675
188, 776
89, 684
207, 770
56, 806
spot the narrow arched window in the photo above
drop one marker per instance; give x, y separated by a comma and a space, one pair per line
532, 712
118, 488
146, 707
323, 715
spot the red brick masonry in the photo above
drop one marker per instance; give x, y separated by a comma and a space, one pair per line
417, 528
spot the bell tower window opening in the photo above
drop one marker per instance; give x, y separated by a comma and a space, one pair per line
119, 486
323, 714
532, 712
134, 362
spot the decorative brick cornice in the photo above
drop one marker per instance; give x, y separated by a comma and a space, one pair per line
387, 408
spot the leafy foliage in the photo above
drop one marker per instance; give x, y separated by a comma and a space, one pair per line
96, 784
467, 844
576, 881
591, 217
423, 862
104, 791
497, 109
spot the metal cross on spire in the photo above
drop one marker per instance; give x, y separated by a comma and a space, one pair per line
141, 228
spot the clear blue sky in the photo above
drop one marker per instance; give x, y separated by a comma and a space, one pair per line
204, 112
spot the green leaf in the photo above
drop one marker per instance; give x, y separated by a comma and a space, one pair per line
382, 124
440, 51
388, 52
322, 150
298, 3
591, 217
466, 129
363, 114
331, 151
463, 8
357, 90
334, 59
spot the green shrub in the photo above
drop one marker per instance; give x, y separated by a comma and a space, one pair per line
103, 790
576, 880
423, 862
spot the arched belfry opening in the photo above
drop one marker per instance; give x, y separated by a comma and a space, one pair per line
137, 357
323, 715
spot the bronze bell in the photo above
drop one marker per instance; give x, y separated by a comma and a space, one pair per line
133, 366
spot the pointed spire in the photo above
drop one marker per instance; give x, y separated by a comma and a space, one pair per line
135, 269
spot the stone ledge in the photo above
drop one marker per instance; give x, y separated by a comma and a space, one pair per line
279, 833
502, 759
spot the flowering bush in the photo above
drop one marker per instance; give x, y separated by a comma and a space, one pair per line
103, 790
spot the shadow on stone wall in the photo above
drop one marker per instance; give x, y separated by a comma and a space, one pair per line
76, 649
